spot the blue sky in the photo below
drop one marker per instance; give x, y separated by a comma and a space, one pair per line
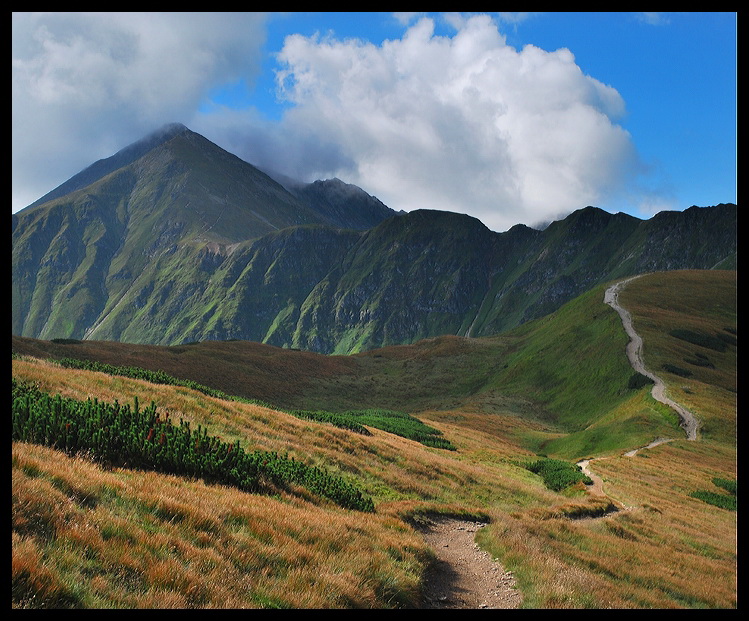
511, 118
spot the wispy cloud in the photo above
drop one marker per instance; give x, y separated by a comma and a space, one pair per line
652, 18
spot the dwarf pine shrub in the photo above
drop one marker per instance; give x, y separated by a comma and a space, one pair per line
558, 474
139, 437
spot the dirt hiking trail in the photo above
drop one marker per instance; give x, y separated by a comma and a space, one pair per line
689, 423
463, 575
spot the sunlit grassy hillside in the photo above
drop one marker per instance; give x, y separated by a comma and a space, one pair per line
90, 535
688, 321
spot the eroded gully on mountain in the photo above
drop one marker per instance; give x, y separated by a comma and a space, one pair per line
464, 576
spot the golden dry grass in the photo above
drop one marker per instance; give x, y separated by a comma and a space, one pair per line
666, 550
152, 540
85, 536
89, 537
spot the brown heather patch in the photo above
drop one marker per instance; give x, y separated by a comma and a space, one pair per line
240, 368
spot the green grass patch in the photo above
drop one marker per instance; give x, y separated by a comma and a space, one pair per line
726, 484
718, 499
391, 421
572, 363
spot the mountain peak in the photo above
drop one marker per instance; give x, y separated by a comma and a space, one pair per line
155, 138
123, 157
173, 128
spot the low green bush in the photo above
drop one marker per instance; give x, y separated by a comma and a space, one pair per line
726, 484
397, 423
135, 437
699, 338
724, 501
558, 474
672, 368
638, 380
338, 420
700, 360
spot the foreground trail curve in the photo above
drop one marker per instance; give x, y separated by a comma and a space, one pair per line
634, 352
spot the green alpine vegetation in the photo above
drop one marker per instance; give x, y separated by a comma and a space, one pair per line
139, 438
558, 474
725, 501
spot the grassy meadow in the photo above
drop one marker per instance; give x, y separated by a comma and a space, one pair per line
88, 534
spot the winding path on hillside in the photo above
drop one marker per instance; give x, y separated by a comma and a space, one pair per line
689, 422
463, 576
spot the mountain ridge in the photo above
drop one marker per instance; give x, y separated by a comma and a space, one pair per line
104, 166
185, 242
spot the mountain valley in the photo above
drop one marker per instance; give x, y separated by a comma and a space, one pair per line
333, 385
558, 387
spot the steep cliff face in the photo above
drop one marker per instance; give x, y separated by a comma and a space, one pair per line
413, 276
174, 240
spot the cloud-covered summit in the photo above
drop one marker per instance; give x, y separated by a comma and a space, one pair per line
462, 123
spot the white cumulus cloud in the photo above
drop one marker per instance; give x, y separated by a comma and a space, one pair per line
463, 123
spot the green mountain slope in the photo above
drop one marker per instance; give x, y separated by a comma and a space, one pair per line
108, 238
174, 240
567, 372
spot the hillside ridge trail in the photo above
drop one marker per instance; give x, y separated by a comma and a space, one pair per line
463, 576
689, 422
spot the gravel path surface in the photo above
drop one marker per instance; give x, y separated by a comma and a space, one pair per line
464, 576
689, 423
